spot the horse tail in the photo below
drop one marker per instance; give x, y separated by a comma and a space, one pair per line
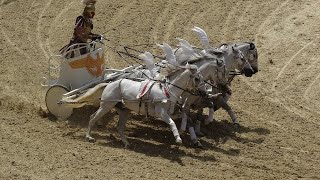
91, 97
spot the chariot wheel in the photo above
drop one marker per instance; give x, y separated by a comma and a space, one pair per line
53, 96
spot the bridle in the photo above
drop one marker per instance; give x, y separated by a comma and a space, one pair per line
245, 62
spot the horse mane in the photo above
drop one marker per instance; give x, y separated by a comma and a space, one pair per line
168, 70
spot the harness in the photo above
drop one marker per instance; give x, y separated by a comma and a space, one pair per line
145, 91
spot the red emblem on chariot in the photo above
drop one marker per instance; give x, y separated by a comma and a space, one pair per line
93, 66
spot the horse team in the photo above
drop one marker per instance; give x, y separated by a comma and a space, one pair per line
188, 78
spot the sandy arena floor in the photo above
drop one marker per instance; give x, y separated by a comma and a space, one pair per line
278, 107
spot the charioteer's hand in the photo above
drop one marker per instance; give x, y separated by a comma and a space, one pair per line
97, 37
203, 93
228, 90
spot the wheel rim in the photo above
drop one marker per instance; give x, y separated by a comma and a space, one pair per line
53, 96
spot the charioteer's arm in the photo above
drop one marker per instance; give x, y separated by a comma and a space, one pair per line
82, 33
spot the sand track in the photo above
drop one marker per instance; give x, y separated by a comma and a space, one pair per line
278, 108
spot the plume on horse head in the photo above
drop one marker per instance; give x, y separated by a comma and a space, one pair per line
203, 37
86, 2
187, 49
170, 57
172, 64
148, 59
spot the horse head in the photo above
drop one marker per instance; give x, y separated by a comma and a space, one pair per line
241, 56
243, 64
212, 72
195, 76
250, 54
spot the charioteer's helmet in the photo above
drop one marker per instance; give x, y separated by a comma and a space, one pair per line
90, 8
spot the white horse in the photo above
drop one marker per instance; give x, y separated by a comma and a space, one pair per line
212, 70
232, 56
155, 102
249, 60
245, 61
220, 80
234, 60
209, 71
241, 57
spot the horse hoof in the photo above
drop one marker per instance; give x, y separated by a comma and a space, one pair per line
209, 123
181, 131
100, 126
197, 144
236, 125
178, 140
200, 134
126, 145
90, 139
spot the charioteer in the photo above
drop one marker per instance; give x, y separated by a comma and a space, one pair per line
82, 31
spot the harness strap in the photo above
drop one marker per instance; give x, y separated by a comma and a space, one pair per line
140, 102
121, 92
146, 109
146, 103
165, 91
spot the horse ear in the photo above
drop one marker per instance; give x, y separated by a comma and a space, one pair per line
220, 63
188, 66
235, 49
252, 46
193, 69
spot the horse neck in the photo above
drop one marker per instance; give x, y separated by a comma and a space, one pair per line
232, 65
209, 71
230, 61
181, 81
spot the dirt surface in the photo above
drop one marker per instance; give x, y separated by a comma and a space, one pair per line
278, 107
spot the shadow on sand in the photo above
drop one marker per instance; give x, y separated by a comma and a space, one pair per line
153, 137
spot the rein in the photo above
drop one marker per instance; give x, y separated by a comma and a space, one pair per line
119, 25
185, 90
246, 62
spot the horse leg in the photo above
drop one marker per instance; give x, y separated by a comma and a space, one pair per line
193, 136
233, 117
198, 123
194, 139
232, 114
210, 117
123, 117
184, 120
166, 118
103, 109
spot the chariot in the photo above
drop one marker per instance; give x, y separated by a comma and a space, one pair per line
72, 72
